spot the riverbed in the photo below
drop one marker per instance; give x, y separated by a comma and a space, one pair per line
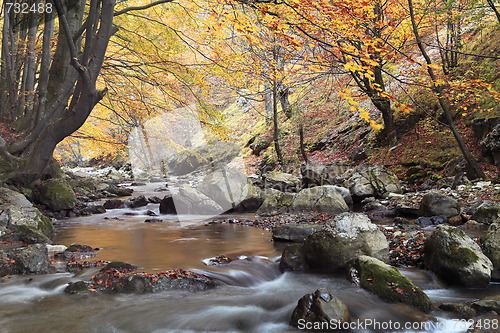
252, 296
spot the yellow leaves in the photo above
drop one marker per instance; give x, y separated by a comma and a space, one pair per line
376, 126
365, 116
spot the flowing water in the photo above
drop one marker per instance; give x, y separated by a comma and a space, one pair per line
253, 295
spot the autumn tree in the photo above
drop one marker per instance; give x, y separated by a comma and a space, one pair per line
52, 57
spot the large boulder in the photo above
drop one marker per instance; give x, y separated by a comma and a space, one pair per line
33, 259
317, 309
252, 201
167, 205
226, 186
487, 213
492, 249
388, 283
294, 232
436, 203
191, 201
16, 210
456, 258
371, 181
347, 236
326, 199
281, 181
57, 194
276, 203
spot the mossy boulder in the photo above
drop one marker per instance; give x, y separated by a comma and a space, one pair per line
487, 213
281, 181
371, 181
17, 211
389, 284
492, 249
342, 239
326, 199
456, 258
319, 307
276, 203
57, 194
31, 235
435, 203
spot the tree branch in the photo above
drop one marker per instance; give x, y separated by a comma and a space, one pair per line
128, 9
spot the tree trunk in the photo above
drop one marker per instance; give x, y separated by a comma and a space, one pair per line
276, 132
301, 143
438, 89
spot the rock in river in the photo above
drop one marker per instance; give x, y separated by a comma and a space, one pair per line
346, 237
387, 282
319, 308
456, 258
435, 203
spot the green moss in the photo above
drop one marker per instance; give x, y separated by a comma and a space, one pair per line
44, 224
462, 256
57, 194
31, 235
389, 284
77, 288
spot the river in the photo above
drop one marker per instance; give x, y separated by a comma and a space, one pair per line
253, 295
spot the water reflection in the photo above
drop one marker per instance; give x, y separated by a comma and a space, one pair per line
165, 245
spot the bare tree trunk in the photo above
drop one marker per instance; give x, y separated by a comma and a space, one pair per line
438, 89
276, 132
301, 143
494, 8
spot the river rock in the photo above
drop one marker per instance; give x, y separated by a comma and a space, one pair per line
487, 213
33, 259
191, 201
16, 210
425, 221
117, 190
347, 236
276, 203
140, 201
167, 205
57, 194
325, 199
284, 182
371, 181
492, 249
113, 280
319, 307
78, 251
294, 232
113, 204
31, 235
463, 310
456, 258
388, 283
292, 258
485, 324
488, 304
226, 186
435, 203
252, 201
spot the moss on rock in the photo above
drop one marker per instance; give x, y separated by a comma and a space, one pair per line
388, 283
57, 194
